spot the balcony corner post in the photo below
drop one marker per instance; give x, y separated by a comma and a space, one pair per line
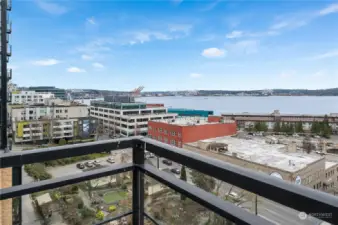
138, 183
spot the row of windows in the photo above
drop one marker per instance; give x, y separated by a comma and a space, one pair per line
166, 140
160, 130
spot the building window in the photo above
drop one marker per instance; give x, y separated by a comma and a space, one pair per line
179, 144
159, 138
149, 135
66, 110
150, 128
57, 111
160, 130
166, 141
166, 132
173, 133
173, 142
179, 134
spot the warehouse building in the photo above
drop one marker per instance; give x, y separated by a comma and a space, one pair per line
189, 129
278, 160
247, 120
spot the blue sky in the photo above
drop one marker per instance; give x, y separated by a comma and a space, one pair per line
175, 45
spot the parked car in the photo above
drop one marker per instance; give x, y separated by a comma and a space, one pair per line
151, 155
167, 162
80, 165
89, 164
111, 160
97, 162
175, 171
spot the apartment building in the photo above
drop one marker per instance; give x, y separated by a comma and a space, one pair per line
127, 118
30, 97
58, 92
44, 122
278, 160
246, 120
189, 129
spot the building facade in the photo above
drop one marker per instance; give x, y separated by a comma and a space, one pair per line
191, 112
58, 92
183, 130
330, 183
43, 122
127, 119
246, 120
30, 97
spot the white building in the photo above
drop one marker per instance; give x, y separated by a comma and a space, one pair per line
37, 123
127, 119
30, 97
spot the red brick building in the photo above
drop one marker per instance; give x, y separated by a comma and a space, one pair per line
189, 129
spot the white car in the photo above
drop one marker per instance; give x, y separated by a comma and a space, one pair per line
97, 162
111, 160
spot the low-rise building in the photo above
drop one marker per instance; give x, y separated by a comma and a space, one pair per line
127, 118
30, 97
247, 120
189, 129
331, 177
191, 112
38, 123
278, 160
58, 92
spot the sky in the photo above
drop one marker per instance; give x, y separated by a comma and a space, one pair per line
175, 44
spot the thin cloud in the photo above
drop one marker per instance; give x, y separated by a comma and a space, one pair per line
329, 54
75, 70
211, 6
244, 47
146, 36
235, 34
51, 7
91, 20
98, 65
195, 75
86, 57
329, 9
185, 28
213, 53
46, 62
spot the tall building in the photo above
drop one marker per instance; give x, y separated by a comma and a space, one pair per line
30, 97
39, 123
189, 129
129, 118
58, 92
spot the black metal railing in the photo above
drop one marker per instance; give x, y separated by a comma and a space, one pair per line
298, 197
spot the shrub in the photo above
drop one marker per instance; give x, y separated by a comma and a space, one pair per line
37, 171
87, 212
80, 205
74, 189
57, 195
62, 142
124, 186
112, 208
99, 215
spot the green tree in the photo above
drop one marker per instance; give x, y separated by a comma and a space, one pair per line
326, 132
316, 127
264, 127
277, 127
258, 126
284, 128
291, 129
184, 178
299, 127
203, 181
326, 120
62, 141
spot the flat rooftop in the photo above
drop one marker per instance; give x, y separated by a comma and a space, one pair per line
272, 155
329, 164
189, 121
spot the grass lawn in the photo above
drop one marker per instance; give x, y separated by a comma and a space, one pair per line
114, 196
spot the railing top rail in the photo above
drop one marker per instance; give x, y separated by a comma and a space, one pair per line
294, 196
13, 159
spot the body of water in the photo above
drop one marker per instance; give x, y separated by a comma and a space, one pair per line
223, 104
